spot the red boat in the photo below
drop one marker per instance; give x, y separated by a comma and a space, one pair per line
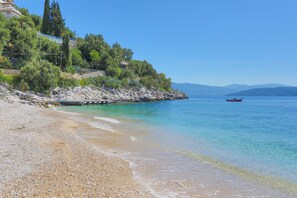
234, 100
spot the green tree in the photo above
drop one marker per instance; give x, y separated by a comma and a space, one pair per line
71, 33
57, 23
105, 61
35, 18
114, 72
49, 50
142, 68
95, 56
163, 82
4, 33
149, 82
46, 18
37, 21
95, 59
127, 74
5, 63
76, 56
66, 52
118, 53
127, 54
93, 42
23, 39
40, 76
24, 11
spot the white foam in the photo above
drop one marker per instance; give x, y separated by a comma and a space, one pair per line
71, 113
133, 139
150, 183
104, 127
112, 120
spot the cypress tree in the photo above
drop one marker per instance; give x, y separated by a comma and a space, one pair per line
57, 21
66, 52
46, 18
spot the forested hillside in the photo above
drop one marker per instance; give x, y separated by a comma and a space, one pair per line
44, 64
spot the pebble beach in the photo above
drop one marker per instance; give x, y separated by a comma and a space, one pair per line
40, 156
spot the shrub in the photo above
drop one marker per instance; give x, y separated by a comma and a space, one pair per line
113, 71
97, 81
148, 81
134, 83
163, 82
24, 86
85, 64
112, 83
6, 78
40, 75
127, 74
76, 56
49, 50
71, 70
68, 82
5, 63
103, 81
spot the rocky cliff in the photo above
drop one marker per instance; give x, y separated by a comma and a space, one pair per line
92, 93
115, 95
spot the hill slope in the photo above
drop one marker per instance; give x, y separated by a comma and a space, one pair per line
205, 90
279, 91
200, 90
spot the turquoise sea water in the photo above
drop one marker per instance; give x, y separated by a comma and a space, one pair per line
258, 135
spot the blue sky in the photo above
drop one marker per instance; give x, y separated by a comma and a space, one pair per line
210, 42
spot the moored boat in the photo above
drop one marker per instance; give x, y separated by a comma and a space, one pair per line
234, 100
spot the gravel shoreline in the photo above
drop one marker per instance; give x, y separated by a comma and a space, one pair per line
40, 156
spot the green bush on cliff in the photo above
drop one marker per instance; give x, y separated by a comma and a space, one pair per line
68, 82
103, 81
5, 63
6, 78
40, 75
113, 83
97, 81
77, 59
148, 81
114, 72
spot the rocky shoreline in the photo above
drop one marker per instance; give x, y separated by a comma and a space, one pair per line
115, 95
99, 94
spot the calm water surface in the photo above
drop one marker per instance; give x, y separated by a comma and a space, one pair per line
258, 135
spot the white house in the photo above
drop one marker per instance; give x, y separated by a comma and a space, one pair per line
7, 8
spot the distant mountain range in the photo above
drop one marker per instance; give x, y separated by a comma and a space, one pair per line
205, 90
279, 91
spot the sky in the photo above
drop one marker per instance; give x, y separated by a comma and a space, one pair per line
211, 42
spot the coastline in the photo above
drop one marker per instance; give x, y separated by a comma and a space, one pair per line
48, 153
79, 96
42, 157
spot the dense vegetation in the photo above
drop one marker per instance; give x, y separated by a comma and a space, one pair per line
45, 64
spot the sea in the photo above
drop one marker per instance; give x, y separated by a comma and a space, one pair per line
203, 146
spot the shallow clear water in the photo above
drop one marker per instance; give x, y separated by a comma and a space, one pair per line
258, 135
